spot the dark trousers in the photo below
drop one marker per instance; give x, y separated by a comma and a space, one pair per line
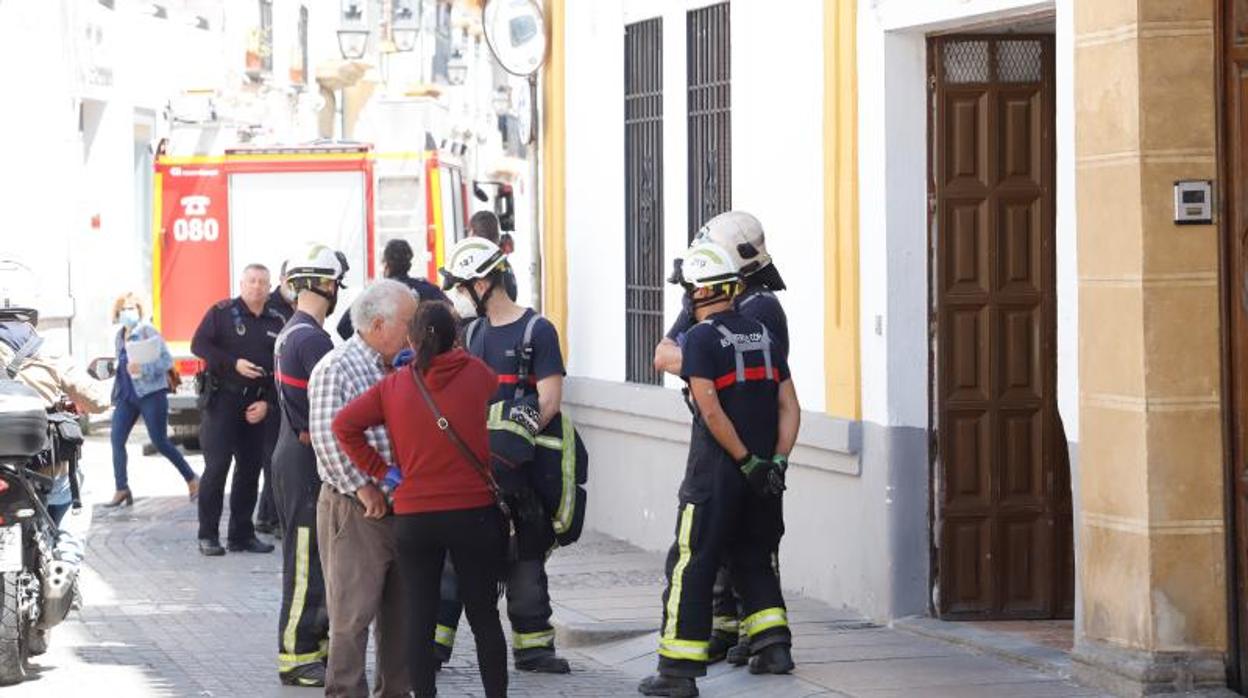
227, 438
528, 609
720, 518
303, 624
266, 512
154, 408
473, 538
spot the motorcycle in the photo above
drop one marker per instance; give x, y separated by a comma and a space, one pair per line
38, 561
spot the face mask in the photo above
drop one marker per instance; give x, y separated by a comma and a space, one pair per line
129, 317
463, 303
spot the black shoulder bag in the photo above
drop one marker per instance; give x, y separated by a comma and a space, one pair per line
482, 469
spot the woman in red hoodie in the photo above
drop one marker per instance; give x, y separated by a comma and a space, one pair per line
443, 503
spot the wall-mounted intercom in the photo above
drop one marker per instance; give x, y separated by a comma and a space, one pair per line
1193, 202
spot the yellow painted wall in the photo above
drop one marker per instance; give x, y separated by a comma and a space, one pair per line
840, 200
554, 214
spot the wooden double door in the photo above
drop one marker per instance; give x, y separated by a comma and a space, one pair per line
1001, 503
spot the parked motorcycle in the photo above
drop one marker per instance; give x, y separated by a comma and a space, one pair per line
38, 562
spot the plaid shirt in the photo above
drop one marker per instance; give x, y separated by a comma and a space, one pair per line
343, 375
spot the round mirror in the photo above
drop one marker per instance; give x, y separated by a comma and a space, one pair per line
516, 33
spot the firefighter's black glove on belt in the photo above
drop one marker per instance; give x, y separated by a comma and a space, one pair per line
755, 470
775, 474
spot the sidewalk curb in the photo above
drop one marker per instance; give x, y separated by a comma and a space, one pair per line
574, 629
1003, 645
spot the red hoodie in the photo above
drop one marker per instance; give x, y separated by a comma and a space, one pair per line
436, 477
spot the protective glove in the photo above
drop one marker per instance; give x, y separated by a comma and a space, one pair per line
527, 416
404, 358
756, 471
775, 474
391, 481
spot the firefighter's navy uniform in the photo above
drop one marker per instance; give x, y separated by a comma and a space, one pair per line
228, 332
721, 518
266, 512
756, 303
521, 353
303, 627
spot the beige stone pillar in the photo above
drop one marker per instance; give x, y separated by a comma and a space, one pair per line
1151, 568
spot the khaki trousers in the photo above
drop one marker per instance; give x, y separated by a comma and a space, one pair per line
362, 585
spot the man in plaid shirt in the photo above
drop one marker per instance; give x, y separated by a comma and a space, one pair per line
357, 545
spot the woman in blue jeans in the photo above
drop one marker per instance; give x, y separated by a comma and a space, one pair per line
141, 389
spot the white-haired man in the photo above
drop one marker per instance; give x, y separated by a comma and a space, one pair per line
357, 544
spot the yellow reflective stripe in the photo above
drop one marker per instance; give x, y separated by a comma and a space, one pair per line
678, 572
692, 650
286, 662
765, 619
567, 502
299, 598
496, 422
727, 624
444, 636
528, 641
554, 444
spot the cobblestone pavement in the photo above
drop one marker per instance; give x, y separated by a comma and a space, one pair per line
161, 620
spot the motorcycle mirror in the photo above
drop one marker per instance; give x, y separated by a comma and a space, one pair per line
505, 208
103, 368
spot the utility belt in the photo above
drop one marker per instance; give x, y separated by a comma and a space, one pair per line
209, 384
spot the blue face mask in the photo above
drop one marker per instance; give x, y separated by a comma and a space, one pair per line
129, 317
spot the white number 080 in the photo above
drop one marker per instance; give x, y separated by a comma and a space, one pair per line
196, 230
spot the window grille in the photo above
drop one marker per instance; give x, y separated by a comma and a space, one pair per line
708, 66
643, 191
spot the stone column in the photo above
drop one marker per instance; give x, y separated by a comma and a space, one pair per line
1151, 566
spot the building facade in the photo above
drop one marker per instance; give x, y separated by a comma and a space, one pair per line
1009, 350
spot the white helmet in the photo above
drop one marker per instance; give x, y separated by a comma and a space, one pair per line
708, 264
471, 258
317, 261
18, 292
742, 236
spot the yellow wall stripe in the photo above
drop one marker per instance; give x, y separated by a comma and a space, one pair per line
554, 135
158, 212
840, 217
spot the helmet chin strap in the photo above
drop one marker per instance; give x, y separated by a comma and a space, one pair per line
332, 298
480, 301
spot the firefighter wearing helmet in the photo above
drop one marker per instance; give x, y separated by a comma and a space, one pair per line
523, 349
746, 418
314, 278
741, 236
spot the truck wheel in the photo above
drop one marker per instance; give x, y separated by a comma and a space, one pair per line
12, 633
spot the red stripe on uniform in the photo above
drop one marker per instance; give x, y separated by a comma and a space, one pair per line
292, 382
754, 373
512, 379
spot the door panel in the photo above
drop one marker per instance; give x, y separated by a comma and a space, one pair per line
1003, 512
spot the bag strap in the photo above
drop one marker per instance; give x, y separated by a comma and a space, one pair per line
524, 358
28, 349
445, 427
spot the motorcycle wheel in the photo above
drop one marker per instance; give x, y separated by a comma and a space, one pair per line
12, 633
36, 641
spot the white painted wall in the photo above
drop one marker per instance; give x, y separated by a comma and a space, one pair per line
892, 169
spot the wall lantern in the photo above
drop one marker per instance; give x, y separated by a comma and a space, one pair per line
353, 30
404, 24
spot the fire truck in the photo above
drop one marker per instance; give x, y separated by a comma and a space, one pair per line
217, 212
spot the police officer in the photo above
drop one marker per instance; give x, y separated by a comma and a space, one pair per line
281, 301
236, 339
523, 349
396, 263
741, 235
315, 276
746, 422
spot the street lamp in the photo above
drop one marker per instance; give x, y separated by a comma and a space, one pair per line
404, 25
353, 30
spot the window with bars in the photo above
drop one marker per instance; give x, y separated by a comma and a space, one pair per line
302, 78
643, 192
266, 37
708, 66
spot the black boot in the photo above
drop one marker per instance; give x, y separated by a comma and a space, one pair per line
210, 547
774, 659
739, 655
672, 686
719, 647
442, 653
544, 664
305, 676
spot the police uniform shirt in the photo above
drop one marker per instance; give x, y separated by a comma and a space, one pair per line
499, 347
752, 405
302, 347
422, 289
278, 304
229, 332
756, 303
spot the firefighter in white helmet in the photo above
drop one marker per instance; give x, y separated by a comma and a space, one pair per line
741, 236
314, 277
522, 347
746, 418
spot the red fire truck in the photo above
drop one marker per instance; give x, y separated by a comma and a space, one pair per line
214, 214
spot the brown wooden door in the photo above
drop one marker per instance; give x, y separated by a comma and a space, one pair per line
1001, 506
1234, 229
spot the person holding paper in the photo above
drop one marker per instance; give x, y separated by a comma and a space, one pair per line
141, 389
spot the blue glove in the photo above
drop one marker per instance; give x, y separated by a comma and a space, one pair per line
404, 358
391, 482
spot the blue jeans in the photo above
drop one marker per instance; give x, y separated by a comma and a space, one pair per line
154, 409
